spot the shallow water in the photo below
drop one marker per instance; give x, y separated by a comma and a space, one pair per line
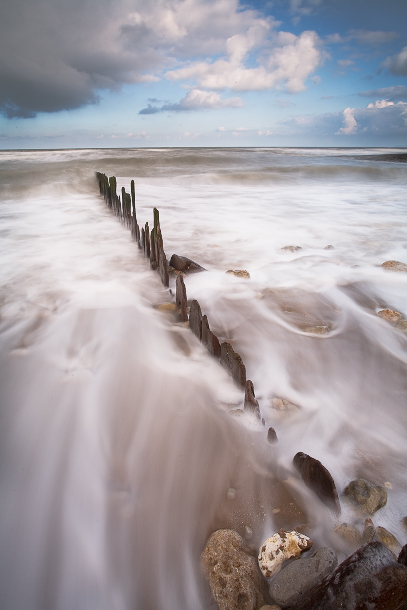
120, 449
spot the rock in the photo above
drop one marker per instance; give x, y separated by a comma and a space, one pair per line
233, 363
240, 273
317, 330
369, 497
390, 541
274, 607
299, 577
349, 533
281, 404
402, 558
184, 264
394, 266
167, 307
271, 436
329, 247
233, 575
181, 297
250, 402
370, 579
292, 248
402, 325
318, 478
369, 531
279, 547
210, 340
390, 316
195, 319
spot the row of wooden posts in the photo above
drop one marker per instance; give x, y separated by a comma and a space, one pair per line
151, 243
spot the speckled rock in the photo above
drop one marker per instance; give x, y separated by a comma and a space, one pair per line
291, 248
279, 547
301, 576
391, 316
369, 497
349, 533
317, 330
233, 575
239, 273
370, 579
318, 478
394, 266
390, 541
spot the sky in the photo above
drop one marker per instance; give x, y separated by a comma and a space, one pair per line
153, 73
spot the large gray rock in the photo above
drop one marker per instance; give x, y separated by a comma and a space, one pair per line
318, 478
370, 579
368, 496
233, 574
301, 576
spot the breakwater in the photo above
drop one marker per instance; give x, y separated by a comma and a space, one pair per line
151, 244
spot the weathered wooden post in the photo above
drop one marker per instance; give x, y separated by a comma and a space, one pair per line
181, 297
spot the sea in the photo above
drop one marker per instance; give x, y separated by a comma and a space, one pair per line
123, 443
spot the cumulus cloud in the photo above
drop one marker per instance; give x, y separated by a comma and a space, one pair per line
196, 99
397, 92
56, 56
397, 64
350, 123
288, 63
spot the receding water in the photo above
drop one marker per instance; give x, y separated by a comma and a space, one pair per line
119, 447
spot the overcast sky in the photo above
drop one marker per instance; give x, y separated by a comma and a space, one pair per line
129, 73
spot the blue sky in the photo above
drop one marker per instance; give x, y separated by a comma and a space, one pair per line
133, 73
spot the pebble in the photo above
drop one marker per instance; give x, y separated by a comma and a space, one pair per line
239, 273
279, 547
233, 575
369, 497
391, 316
295, 580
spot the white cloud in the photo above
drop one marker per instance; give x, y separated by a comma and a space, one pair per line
397, 64
380, 104
350, 123
196, 99
288, 63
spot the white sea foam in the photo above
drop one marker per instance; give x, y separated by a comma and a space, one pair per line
118, 443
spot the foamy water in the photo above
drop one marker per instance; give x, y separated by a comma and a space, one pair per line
119, 447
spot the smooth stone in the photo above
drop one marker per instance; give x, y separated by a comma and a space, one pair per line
317, 330
250, 402
233, 363
319, 479
271, 436
195, 319
233, 575
391, 316
394, 266
369, 497
292, 248
390, 541
240, 273
182, 263
300, 576
349, 533
280, 547
370, 579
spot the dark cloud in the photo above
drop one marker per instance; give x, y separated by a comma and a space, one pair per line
395, 93
397, 64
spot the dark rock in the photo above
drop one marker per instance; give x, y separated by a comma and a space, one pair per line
250, 402
402, 558
301, 576
318, 478
210, 340
195, 319
184, 264
233, 363
272, 436
181, 297
369, 497
233, 574
370, 579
